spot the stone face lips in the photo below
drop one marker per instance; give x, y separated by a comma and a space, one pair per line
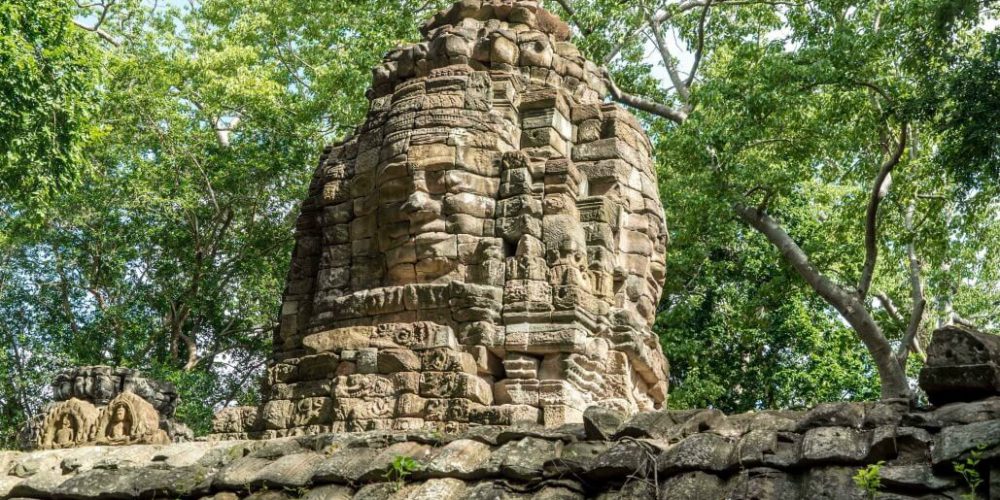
493, 216
962, 365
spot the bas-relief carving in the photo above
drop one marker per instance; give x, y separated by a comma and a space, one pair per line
67, 424
492, 215
126, 419
129, 419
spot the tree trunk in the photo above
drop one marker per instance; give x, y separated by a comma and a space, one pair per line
892, 375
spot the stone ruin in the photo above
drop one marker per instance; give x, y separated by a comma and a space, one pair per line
486, 248
106, 406
962, 365
665, 454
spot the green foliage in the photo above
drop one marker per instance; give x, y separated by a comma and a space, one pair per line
969, 472
746, 334
48, 80
180, 156
868, 479
791, 112
402, 467
148, 187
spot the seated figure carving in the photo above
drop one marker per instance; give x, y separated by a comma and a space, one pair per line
129, 419
120, 427
66, 435
105, 405
64, 424
487, 248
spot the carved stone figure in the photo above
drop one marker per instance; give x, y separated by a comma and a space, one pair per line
129, 419
97, 405
65, 424
66, 435
121, 426
487, 247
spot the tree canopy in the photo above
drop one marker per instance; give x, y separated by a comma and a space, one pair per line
152, 157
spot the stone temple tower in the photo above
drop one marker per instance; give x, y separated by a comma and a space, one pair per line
486, 248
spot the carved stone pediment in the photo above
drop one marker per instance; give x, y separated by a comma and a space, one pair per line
67, 424
129, 419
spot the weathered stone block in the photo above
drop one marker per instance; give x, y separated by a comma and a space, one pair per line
835, 445
956, 442
601, 423
455, 385
962, 365
524, 459
397, 360
705, 452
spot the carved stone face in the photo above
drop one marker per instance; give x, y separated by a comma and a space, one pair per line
488, 245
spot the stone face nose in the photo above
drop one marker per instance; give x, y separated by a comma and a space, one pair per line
420, 207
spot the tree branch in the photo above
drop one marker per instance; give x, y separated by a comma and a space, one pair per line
100, 32
889, 307
701, 45
676, 116
852, 309
668, 62
222, 133
192, 351
791, 251
964, 322
571, 15
694, 4
917, 294
659, 18
879, 190
96, 28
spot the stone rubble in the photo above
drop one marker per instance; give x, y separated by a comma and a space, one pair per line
962, 364
664, 454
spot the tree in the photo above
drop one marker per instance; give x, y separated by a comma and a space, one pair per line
48, 78
787, 101
149, 223
170, 253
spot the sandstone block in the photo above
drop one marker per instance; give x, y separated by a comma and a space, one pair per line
962, 365
455, 385
601, 423
521, 460
397, 360
834, 445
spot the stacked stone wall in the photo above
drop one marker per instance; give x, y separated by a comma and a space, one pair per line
694, 454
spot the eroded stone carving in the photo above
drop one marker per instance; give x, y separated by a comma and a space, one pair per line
126, 419
488, 247
97, 405
67, 424
129, 419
